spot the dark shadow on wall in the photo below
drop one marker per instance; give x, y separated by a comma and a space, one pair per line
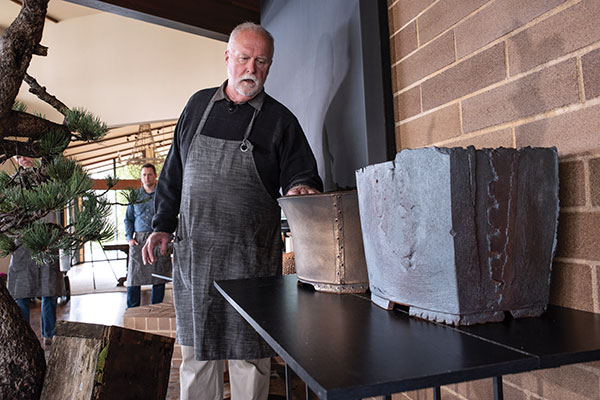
337, 144
330, 77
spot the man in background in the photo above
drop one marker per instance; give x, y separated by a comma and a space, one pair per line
138, 226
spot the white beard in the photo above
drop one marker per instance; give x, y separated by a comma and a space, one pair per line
251, 91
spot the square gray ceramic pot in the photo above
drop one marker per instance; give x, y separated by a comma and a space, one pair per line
459, 235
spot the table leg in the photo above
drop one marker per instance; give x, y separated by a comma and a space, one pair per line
309, 394
498, 394
288, 383
437, 393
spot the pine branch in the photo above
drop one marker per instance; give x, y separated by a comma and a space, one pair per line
42, 94
54, 143
40, 50
19, 106
25, 125
87, 126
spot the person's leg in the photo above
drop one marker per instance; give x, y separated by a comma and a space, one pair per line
48, 317
158, 293
24, 307
200, 380
133, 296
249, 379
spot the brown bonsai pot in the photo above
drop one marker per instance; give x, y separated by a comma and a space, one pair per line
327, 238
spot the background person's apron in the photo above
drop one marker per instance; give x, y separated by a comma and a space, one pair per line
26, 278
229, 228
139, 273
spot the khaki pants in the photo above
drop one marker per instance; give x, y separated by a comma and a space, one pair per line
203, 380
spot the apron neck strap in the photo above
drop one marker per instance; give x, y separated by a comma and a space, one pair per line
245, 142
245, 145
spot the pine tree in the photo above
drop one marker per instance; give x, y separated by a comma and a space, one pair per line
55, 183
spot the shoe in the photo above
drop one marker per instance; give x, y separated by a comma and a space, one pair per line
47, 342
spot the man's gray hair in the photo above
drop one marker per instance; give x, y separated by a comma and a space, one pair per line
251, 26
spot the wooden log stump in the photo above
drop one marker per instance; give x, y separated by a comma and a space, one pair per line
98, 362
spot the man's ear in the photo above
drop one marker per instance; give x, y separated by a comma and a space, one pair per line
226, 57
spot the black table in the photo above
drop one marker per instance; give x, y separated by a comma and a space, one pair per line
124, 247
345, 347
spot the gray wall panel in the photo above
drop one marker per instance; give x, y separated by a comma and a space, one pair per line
318, 73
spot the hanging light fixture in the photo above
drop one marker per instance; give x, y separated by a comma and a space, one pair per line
144, 148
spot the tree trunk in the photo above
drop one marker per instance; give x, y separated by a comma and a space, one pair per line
22, 362
17, 44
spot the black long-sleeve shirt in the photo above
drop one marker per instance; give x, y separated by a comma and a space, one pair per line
281, 152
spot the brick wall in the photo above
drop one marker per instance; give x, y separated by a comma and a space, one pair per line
513, 73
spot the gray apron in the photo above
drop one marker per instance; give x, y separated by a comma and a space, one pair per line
229, 228
26, 278
140, 274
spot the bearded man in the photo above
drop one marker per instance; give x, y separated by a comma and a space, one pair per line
234, 149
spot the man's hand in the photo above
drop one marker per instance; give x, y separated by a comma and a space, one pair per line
156, 238
301, 189
133, 242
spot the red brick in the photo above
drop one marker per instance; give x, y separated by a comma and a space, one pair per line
405, 10
550, 88
475, 73
152, 324
164, 324
512, 393
423, 394
397, 136
567, 31
594, 166
426, 61
571, 286
474, 390
128, 322
139, 323
593, 364
568, 382
443, 15
391, 23
431, 128
394, 79
572, 133
579, 235
177, 351
501, 138
404, 42
407, 104
591, 78
495, 21
572, 183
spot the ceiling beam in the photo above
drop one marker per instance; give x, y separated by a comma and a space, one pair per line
110, 143
106, 160
123, 184
210, 18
